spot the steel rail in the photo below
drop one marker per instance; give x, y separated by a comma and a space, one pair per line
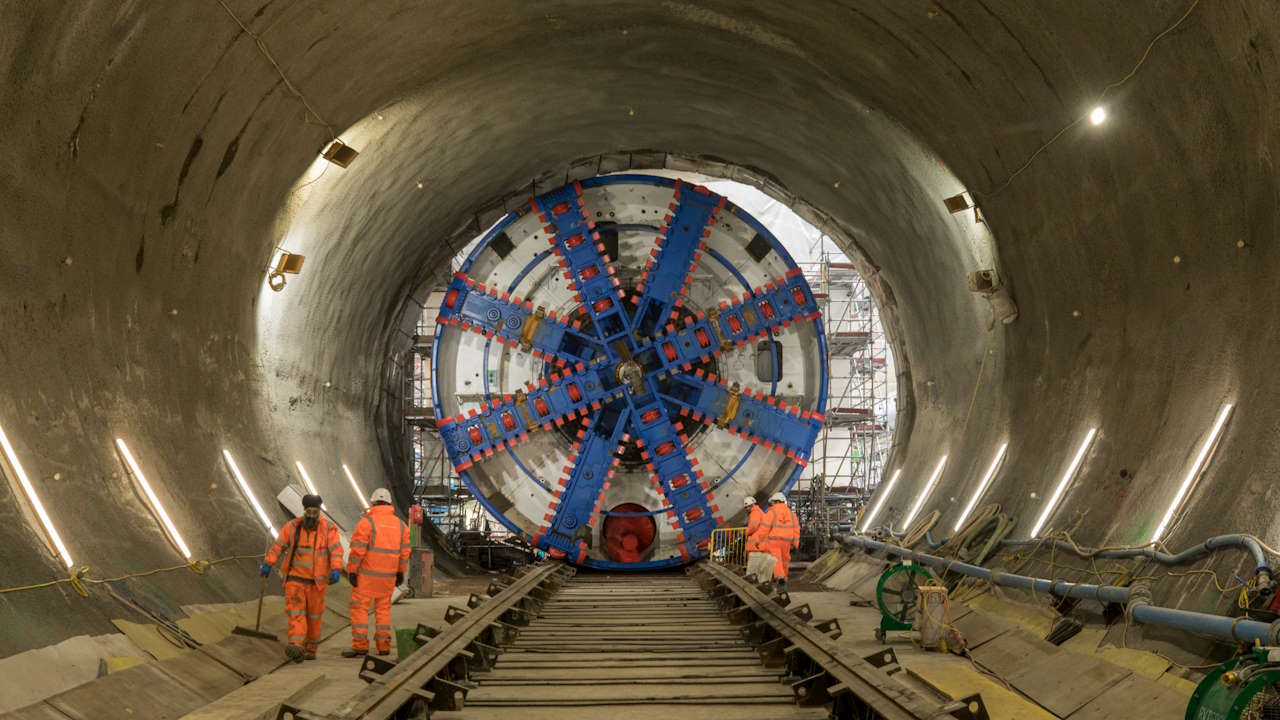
821, 672
435, 676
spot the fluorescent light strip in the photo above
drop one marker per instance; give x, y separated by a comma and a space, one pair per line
355, 486
244, 487
151, 497
1062, 484
306, 479
982, 486
1196, 468
885, 491
928, 488
34, 499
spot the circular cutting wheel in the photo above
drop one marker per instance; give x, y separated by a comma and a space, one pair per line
628, 353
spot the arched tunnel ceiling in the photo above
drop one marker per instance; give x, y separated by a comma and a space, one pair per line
153, 154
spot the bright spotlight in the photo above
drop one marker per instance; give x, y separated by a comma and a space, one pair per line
1098, 115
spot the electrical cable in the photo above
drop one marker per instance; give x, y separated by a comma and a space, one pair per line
1101, 96
266, 52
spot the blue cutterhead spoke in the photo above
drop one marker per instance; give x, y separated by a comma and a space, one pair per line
754, 316
763, 419
477, 435
512, 321
678, 247
569, 524
663, 444
774, 306
587, 267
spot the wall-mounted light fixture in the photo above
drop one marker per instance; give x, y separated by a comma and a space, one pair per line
339, 153
886, 489
982, 486
355, 486
156, 507
924, 493
1194, 472
244, 488
287, 264
1063, 483
51, 533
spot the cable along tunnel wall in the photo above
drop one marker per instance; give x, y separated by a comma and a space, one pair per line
627, 341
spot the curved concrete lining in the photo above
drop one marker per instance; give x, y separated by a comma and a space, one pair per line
153, 154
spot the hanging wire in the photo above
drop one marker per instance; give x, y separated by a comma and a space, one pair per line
1101, 96
266, 53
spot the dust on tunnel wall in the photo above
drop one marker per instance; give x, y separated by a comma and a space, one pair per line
157, 149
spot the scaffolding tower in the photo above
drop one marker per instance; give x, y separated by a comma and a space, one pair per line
849, 457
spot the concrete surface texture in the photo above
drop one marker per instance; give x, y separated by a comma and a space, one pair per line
154, 163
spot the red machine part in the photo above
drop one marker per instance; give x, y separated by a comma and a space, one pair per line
627, 537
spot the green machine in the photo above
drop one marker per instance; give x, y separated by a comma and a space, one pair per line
1243, 688
897, 597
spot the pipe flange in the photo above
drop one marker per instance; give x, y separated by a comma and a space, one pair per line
1138, 595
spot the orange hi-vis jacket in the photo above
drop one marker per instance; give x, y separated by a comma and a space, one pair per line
781, 525
317, 552
757, 534
379, 548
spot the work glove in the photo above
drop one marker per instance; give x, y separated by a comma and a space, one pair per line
353, 578
334, 575
399, 578
264, 570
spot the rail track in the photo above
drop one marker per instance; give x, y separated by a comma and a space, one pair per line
552, 645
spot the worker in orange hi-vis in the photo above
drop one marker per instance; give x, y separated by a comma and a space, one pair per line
784, 535
376, 564
310, 557
760, 560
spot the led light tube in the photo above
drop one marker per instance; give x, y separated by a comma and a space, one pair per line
1196, 468
982, 486
355, 486
34, 499
884, 493
1062, 484
306, 480
244, 487
924, 493
151, 498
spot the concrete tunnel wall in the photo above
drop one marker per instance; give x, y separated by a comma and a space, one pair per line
155, 148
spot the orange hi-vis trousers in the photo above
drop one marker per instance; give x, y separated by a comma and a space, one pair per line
304, 603
380, 598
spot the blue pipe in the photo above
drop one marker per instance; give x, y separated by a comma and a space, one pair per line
1136, 599
1248, 542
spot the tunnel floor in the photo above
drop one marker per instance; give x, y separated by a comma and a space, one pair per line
652, 646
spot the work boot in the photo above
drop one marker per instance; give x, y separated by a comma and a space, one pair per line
354, 653
294, 653
384, 653
309, 655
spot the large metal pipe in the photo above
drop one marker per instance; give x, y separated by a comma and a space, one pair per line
1249, 543
1136, 599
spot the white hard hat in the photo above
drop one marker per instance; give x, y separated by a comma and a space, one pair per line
380, 495
778, 497
748, 501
